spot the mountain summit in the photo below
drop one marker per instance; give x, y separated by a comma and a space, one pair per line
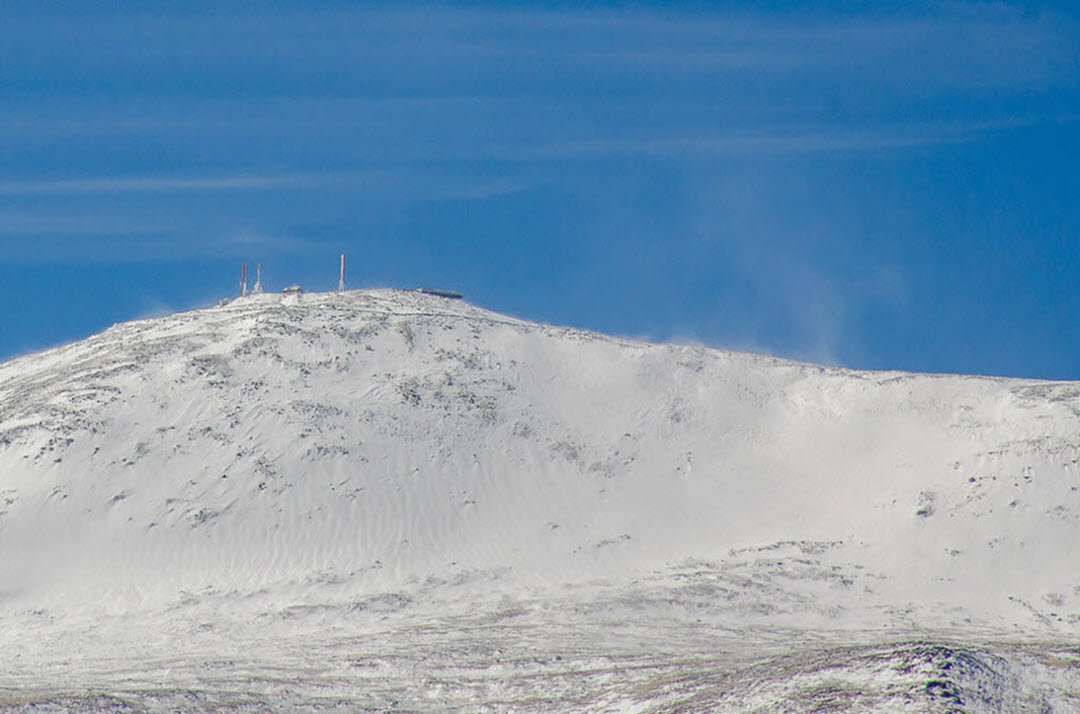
382, 492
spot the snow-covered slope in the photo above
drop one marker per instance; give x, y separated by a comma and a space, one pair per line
406, 501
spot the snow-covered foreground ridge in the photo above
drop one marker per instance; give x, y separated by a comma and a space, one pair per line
384, 464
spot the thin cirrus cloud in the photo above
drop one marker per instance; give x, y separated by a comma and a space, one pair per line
738, 41
446, 84
408, 185
435, 51
156, 184
744, 144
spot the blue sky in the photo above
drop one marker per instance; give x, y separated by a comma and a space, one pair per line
875, 185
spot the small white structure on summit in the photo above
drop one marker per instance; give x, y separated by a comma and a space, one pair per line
257, 290
341, 279
291, 295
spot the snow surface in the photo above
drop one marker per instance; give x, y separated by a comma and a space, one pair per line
392, 501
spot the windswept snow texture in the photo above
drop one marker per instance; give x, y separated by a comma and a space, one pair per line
382, 500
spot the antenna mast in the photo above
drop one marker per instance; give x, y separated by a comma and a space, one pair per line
243, 281
258, 280
341, 280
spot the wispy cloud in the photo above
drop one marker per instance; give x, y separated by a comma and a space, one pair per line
798, 139
400, 184
160, 184
746, 144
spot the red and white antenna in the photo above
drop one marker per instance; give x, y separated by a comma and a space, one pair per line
341, 280
258, 280
243, 281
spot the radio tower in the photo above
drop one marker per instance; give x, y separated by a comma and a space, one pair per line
258, 280
341, 280
243, 280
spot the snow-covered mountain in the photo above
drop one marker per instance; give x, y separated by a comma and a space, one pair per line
388, 500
